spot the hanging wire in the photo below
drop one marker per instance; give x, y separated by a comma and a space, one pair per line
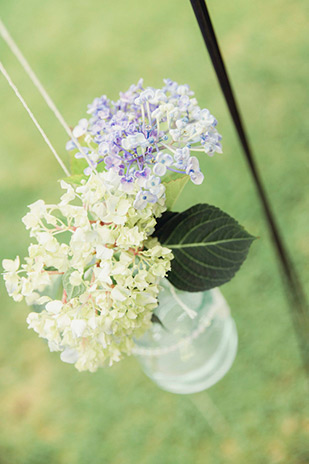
35, 80
17, 93
295, 293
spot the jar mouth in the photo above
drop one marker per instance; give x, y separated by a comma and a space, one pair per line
143, 351
211, 305
189, 304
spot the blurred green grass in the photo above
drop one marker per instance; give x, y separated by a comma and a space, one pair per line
257, 413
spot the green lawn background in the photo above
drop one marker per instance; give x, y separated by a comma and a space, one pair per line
258, 413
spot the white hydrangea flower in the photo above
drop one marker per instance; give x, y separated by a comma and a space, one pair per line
109, 268
11, 265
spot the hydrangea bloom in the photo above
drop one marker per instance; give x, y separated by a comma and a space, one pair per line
146, 134
97, 243
95, 246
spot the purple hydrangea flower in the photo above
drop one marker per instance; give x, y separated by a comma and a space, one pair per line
145, 134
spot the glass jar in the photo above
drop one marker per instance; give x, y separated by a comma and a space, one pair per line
195, 345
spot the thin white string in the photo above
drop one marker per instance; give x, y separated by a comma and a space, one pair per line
24, 63
190, 312
219, 309
13, 86
141, 351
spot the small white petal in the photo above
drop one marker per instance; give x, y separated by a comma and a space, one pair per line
75, 279
69, 355
197, 177
159, 169
10, 265
104, 253
54, 306
118, 295
78, 327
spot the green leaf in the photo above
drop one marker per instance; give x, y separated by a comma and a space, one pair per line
209, 246
72, 290
173, 189
75, 179
77, 165
156, 320
50, 268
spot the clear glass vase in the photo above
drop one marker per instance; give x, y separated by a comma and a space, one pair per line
196, 344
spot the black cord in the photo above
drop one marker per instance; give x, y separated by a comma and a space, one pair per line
296, 295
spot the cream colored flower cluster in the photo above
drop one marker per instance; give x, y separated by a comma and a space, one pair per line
97, 246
